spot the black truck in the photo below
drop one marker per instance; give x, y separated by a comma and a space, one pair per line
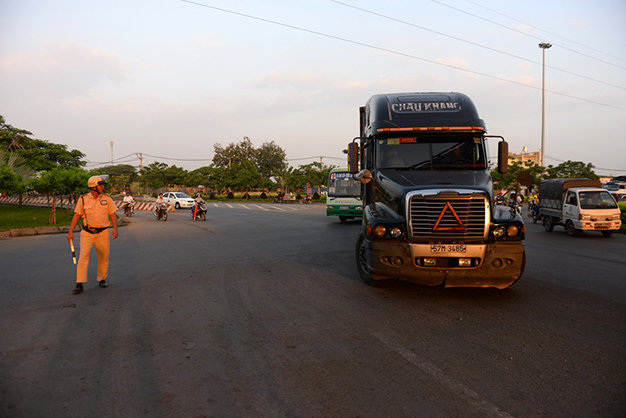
428, 214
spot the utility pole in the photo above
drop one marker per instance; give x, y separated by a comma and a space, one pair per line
543, 46
112, 152
140, 156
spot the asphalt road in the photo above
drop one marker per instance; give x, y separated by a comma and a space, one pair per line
259, 312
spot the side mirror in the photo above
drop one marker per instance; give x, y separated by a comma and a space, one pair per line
353, 157
503, 157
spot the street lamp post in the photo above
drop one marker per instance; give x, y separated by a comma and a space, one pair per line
543, 46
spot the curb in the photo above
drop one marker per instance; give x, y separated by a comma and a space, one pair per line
45, 230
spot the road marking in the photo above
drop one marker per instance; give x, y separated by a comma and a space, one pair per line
261, 207
244, 206
440, 376
228, 204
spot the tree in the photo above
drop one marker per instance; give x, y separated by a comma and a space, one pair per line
10, 183
234, 153
270, 159
61, 181
245, 176
120, 176
43, 155
17, 165
157, 175
39, 154
314, 173
571, 169
509, 179
10, 137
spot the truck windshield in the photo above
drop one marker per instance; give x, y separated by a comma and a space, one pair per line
342, 184
431, 152
596, 200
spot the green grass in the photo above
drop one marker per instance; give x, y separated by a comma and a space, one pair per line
12, 217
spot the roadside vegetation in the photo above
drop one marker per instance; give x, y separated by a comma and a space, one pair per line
238, 171
14, 217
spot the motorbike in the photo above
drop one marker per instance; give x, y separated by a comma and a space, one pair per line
533, 211
161, 212
129, 209
198, 211
306, 199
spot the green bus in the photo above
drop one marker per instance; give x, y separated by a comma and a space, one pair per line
344, 195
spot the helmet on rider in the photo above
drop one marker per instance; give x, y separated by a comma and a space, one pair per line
94, 181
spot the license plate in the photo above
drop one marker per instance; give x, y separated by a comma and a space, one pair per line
447, 248
344, 207
602, 226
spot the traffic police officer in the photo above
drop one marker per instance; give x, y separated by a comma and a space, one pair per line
95, 208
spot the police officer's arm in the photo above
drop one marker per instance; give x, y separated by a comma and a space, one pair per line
75, 219
114, 222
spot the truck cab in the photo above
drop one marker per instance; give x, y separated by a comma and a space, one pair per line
428, 214
578, 205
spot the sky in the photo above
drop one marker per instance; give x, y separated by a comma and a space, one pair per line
171, 78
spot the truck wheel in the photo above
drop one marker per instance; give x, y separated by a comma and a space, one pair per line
607, 233
569, 228
361, 263
547, 224
344, 219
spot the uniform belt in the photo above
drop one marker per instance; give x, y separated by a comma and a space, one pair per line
93, 229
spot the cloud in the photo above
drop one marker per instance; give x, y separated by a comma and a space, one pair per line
59, 71
290, 80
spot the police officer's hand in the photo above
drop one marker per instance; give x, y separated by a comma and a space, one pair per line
114, 233
70, 235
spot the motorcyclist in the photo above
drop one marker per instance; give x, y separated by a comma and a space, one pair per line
197, 202
158, 202
128, 200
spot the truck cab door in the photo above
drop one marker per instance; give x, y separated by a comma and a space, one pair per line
570, 206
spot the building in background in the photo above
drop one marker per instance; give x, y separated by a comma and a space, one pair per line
524, 156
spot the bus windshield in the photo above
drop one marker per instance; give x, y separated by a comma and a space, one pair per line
431, 152
342, 184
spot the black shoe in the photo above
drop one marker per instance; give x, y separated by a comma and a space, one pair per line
78, 289
103, 284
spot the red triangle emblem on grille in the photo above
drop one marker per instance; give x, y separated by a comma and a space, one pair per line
460, 227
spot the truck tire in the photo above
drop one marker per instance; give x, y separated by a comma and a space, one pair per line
361, 263
607, 233
570, 229
547, 224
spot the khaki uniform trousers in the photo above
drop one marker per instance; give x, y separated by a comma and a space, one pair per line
101, 241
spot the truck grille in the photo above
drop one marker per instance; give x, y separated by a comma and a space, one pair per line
446, 218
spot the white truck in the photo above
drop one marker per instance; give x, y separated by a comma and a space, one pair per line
578, 204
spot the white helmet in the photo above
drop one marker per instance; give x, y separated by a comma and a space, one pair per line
94, 181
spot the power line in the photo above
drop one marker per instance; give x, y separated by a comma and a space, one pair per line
595, 168
544, 30
177, 159
404, 22
524, 33
403, 54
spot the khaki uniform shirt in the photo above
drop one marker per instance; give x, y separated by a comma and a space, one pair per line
95, 211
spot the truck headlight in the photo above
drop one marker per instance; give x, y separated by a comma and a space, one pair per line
395, 232
512, 231
584, 217
380, 231
499, 232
